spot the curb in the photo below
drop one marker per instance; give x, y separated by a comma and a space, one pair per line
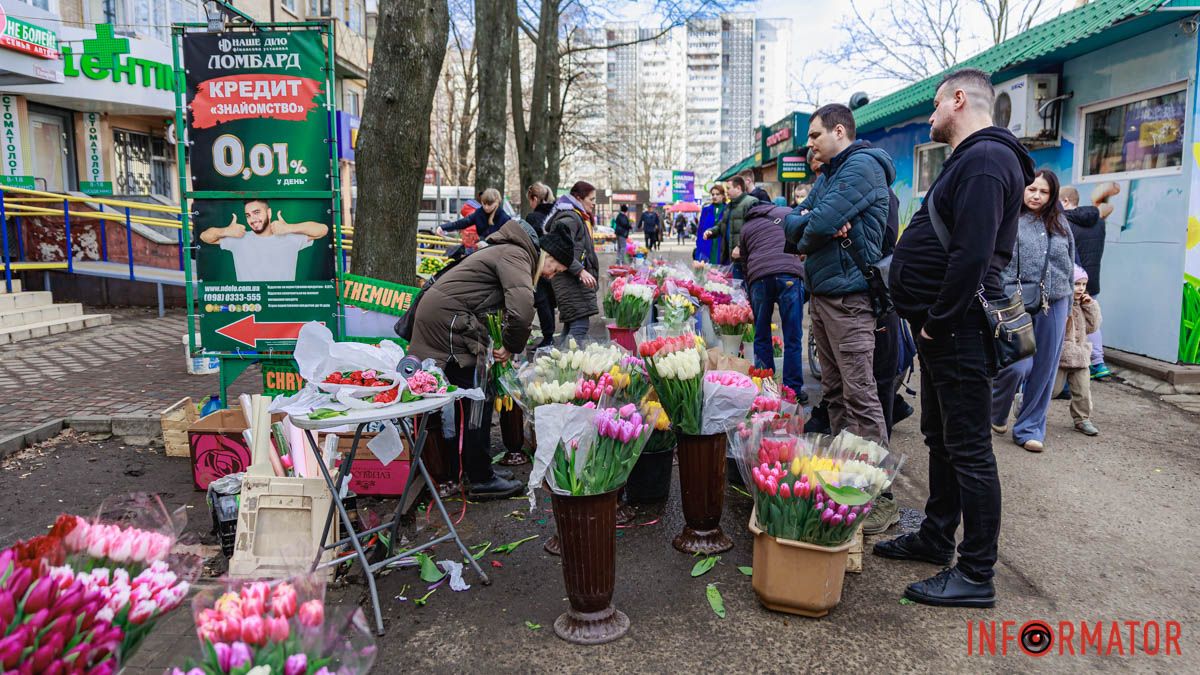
143, 429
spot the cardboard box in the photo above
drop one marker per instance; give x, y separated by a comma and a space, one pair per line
368, 476
216, 445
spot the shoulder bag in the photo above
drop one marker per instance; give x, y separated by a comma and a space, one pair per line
876, 276
1011, 324
1035, 300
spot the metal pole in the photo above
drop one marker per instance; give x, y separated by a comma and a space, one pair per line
180, 249
129, 241
67, 225
184, 204
161, 311
7, 259
103, 242
334, 178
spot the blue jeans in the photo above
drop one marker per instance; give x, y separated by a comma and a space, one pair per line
786, 291
1034, 376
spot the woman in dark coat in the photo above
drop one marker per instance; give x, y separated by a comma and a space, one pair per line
541, 200
575, 291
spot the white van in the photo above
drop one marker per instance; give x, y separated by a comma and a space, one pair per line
437, 211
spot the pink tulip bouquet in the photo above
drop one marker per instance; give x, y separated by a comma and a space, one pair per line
604, 464
728, 398
732, 319
279, 626
628, 303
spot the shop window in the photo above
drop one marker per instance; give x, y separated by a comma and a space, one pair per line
353, 105
40, 4
289, 5
145, 164
927, 162
1133, 137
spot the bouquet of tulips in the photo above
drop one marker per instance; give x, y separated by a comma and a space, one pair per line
495, 322
728, 397
811, 488
280, 627
676, 366
777, 345
604, 465
732, 319
675, 309
628, 302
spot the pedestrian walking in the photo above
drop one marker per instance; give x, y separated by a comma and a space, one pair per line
708, 247
855, 191
575, 291
621, 228
974, 204
773, 277
1088, 226
482, 222
541, 199
1074, 363
680, 229
450, 327
1042, 269
650, 224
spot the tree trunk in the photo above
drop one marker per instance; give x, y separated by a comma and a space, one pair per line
493, 45
554, 123
394, 140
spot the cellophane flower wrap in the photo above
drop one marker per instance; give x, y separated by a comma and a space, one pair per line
808, 488
628, 302
602, 460
732, 319
728, 396
676, 306
83, 597
676, 366
283, 625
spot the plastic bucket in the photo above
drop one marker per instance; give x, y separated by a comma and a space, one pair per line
199, 365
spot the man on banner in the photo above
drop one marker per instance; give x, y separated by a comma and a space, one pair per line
270, 249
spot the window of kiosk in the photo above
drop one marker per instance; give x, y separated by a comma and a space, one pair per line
1137, 136
928, 159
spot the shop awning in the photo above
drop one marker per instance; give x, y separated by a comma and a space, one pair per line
741, 166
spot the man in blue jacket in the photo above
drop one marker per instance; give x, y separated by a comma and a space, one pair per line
621, 228
850, 205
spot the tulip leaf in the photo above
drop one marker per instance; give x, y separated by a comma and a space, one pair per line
748, 571
906, 601
847, 495
325, 413
705, 564
512, 545
715, 601
429, 570
533, 626
478, 551
420, 602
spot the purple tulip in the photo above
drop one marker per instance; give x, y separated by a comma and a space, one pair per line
820, 506
41, 594
45, 654
6, 558
18, 583
64, 626
836, 519
827, 515
297, 664
222, 651
628, 410
239, 655
866, 509
38, 619
843, 510
11, 649
8, 608
636, 418
851, 518
854, 510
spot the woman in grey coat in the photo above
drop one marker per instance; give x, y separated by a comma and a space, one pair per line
1043, 264
575, 291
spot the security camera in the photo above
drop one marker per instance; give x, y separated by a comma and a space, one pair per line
1188, 26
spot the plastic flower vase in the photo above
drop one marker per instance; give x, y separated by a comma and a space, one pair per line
795, 577
702, 469
731, 344
779, 368
623, 337
587, 534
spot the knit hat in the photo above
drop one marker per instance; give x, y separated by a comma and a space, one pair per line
1079, 274
558, 246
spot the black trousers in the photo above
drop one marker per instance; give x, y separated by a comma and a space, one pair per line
956, 399
476, 443
884, 363
543, 302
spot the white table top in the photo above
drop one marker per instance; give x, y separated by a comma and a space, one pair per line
356, 417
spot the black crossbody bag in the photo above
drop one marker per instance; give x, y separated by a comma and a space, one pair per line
876, 276
1011, 324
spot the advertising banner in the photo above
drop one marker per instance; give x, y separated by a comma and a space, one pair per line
661, 186
263, 316
13, 173
793, 168
255, 240
683, 186
93, 181
257, 110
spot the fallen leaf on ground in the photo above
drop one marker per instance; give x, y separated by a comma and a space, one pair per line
715, 601
512, 545
533, 626
748, 571
906, 601
420, 602
705, 564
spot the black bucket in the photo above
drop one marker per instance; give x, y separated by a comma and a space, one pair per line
650, 480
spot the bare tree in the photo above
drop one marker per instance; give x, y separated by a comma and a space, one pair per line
648, 137
393, 148
1009, 17
455, 106
807, 89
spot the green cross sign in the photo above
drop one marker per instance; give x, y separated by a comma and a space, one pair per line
105, 47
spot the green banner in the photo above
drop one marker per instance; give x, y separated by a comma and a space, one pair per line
793, 168
257, 110
281, 377
376, 295
25, 182
263, 240
96, 188
262, 316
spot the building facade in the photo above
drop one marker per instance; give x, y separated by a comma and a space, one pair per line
737, 86
772, 52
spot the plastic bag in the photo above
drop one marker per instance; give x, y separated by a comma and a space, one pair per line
556, 422
727, 400
317, 354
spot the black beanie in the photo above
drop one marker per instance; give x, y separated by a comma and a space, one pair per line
557, 245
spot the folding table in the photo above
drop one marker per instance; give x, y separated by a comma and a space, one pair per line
403, 414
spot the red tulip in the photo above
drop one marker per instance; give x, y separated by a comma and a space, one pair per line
785, 491
312, 613
8, 608
230, 629
254, 630
277, 629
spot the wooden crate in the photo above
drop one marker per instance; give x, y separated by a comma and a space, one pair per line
175, 422
854, 560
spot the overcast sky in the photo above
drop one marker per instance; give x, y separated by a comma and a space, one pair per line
814, 30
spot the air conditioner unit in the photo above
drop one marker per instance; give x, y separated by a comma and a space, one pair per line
1018, 102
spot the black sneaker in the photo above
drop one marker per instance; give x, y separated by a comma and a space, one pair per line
952, 588
496, 488
910, 547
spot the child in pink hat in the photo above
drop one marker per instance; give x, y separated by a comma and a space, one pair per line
1083, 320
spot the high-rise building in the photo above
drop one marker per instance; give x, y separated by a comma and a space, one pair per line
703, 98
737, 86
772, 51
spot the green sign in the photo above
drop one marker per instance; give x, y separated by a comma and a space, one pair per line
25, 182
377, 295
96, 188
100, 59
793, 168
25, 37
263, 317
257, 111
281, 377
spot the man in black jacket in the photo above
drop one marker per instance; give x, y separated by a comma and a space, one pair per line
650, 224
978, 197
622, 229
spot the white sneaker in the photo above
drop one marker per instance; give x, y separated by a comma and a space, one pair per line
999, 429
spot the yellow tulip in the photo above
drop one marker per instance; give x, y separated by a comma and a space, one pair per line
796, 466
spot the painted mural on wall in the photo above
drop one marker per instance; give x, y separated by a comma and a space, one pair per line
1189, 321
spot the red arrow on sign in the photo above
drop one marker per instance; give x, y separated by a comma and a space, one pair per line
248, 331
